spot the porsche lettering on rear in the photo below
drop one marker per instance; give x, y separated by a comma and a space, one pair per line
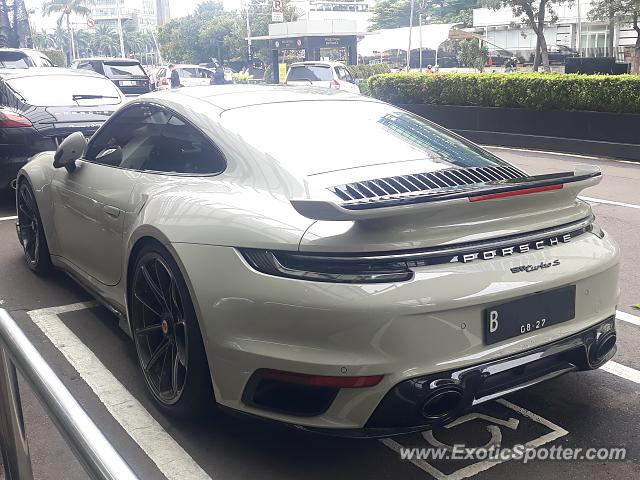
511, 250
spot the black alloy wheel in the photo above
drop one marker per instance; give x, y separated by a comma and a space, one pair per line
167, 337
31, 232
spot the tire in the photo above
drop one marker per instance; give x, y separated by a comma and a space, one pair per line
31, 231
166, 334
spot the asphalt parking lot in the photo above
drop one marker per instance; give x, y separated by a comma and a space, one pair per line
97, 362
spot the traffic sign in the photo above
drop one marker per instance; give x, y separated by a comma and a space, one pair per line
277, 16
276, 5
91, 23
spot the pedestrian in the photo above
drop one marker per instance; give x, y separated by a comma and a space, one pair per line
429, 69
218, 76
175, 77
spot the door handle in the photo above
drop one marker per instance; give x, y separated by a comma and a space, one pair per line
112, 211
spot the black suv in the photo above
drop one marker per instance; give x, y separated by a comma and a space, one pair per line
126, 73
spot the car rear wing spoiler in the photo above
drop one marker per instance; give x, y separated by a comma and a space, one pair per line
415, 202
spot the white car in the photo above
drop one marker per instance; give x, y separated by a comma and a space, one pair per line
322, 74
23, 58
385, 287
190, 76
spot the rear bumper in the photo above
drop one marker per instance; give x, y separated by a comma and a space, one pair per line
416, 329
407, 407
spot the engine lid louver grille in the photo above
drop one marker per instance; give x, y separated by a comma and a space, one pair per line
420, 182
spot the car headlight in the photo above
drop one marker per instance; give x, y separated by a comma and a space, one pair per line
316, 268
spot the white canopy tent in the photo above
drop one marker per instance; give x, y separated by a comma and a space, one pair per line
398, 39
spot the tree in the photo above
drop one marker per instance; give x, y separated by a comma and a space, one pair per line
396, 13
210, 32
65, 8
471, 55
105, 40
15, 31
534, 14
621, 12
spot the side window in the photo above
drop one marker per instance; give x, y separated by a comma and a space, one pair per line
148, 138
46, 62
343, 74
85, 66
182, 149
130, 137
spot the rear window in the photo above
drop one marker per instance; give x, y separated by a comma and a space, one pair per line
188, 72
113, 69
337, 135
15, 60
59, 90
311, 73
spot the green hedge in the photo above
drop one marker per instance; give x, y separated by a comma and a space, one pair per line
365, 71
538, 91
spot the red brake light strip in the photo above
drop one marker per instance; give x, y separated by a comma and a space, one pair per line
514, 193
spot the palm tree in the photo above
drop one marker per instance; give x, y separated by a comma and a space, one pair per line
65, 8
84, 42
105, 40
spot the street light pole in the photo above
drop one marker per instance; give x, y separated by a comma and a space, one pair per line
579, 42
420, 26
248, 31
410, 29
120, 28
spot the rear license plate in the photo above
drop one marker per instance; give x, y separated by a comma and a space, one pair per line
128, 83
528, 314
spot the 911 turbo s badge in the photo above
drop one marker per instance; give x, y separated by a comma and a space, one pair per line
513, 249
533, 268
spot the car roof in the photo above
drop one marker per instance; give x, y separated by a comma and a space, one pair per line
328, 64
8, 73
24, 50
227, 97
108, 59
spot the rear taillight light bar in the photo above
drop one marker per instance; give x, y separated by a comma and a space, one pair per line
11, 119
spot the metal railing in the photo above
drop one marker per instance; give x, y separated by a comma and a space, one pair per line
97, 456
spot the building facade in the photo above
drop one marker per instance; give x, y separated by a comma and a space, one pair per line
359, 11
140, 13
573, 32
163, 14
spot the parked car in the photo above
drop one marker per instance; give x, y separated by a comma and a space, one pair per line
126, 73
23, 58
190, 76
384, 288
39, 107
322, 74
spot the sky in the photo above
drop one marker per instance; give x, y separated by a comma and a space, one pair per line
178, 8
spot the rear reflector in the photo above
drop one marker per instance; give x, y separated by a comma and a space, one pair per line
514, 193
319, 380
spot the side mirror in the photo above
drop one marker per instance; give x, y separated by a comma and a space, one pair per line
70, 150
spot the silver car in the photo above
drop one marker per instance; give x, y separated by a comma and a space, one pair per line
383, 283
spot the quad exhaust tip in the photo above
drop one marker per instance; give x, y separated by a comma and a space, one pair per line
605, 344
442, 403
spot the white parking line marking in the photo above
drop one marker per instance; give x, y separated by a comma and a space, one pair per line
476, 468
162, 449
627, 317
621, 371
8, 218
609, 202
